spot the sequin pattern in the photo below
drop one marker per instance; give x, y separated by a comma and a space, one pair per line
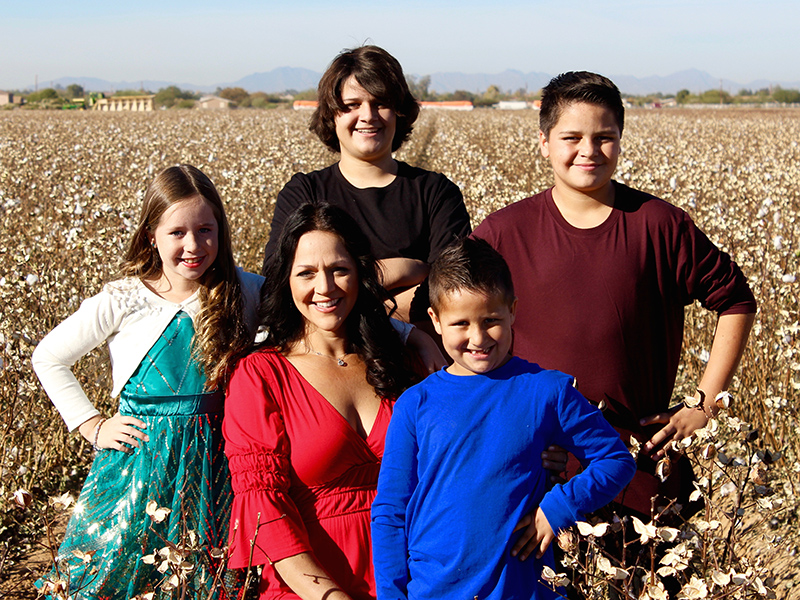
182, 468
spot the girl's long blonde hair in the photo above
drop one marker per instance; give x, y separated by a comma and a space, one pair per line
221, 334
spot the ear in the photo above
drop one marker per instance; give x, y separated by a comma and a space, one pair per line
436, 324
543, 147
513, 310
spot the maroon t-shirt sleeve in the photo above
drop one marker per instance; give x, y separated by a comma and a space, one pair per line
709, 275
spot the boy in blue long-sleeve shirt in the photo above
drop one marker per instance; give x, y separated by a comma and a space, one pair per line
460, 471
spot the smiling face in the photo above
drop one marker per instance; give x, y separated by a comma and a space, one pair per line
187, 240
366, 129
475, 330
323, 282
583, 148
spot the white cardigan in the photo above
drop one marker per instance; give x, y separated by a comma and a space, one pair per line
130, 318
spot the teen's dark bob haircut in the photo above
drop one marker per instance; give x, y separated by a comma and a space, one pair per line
379, 73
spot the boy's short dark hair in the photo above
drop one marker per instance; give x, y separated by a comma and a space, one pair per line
578, 86
469, 264
381, 75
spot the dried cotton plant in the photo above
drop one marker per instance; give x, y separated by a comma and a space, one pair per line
727, 550
71, 184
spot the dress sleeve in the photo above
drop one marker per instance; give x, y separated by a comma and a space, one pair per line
298, 191
448, 217
396, 483
608, 465
53, 359
263, 516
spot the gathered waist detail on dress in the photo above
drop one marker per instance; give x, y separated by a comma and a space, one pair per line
317, 507
353, 492
166, 406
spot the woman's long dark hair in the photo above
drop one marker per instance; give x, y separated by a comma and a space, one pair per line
370, 334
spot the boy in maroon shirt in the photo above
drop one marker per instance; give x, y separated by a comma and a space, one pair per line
603, 273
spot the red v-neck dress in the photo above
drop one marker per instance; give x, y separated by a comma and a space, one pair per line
292, 453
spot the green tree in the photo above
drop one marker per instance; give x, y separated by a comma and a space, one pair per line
310, 94
462, 95
173, 96
129, 93
419, 87
75, 91
167, 96
235, 94
263, 100
682, 96
492, 95
520, 94
47, 94
715, 97
788, 96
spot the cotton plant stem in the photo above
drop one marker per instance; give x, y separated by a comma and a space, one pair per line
252, 551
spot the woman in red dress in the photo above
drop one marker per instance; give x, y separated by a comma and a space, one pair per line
307, 412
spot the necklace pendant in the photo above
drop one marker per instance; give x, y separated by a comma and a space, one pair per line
341, 362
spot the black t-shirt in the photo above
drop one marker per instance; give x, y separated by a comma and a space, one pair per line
416, 216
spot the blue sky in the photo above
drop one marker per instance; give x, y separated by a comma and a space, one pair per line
205, 42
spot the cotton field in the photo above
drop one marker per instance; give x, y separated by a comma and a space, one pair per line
71, 185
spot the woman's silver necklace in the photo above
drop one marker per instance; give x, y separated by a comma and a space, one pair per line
339, 361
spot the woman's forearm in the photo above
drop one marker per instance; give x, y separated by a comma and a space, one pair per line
308, 579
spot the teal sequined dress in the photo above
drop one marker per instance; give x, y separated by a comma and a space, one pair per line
182, 468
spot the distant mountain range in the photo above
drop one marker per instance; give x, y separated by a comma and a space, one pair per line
289, 78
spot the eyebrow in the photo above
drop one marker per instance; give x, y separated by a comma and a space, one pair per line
579, 132
367, 97
339, 263
207, 224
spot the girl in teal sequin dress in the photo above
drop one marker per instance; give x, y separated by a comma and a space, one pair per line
157, 498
